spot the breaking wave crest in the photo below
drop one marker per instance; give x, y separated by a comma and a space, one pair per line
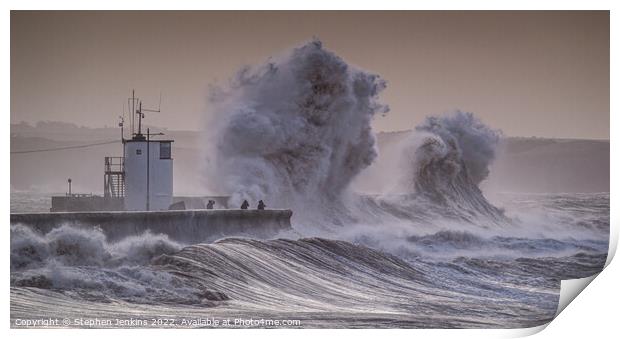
295, 131
441, 164
452, 160
71, 246
83, 262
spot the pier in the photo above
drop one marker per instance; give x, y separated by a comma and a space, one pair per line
187, 226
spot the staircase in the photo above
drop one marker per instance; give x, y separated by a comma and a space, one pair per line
117, 185
114, 177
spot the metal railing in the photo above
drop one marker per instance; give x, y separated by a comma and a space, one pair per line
114, 164
78, 195
114, 177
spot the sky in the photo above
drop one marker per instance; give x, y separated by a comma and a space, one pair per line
527, 73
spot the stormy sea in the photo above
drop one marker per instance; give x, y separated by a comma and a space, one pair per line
429, 251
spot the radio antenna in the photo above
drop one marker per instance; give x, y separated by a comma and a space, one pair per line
122, 123
141, 115
159, 106
158, 110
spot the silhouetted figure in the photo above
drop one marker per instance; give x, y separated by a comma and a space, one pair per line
210, 204
261, 205
245, 205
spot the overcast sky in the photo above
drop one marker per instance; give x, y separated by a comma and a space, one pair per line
527, 73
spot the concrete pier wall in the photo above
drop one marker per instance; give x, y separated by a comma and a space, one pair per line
92, 203
188, 226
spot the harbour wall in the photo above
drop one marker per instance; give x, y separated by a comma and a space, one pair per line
187, 226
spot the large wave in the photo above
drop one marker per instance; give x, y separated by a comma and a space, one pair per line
452, 157
85, 262
295, 131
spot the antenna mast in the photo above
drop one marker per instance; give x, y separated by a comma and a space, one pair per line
136, 109
133, 110
141, 116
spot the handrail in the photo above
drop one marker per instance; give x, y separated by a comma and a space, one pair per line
114, 166
114, 178
78, 195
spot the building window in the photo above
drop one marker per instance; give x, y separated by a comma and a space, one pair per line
138, 151
165, 150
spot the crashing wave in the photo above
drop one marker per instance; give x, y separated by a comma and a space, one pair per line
295, 131
85, 262
452, 160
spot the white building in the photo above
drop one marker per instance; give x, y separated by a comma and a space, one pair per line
148, 174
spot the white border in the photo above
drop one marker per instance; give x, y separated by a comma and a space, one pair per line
594, 312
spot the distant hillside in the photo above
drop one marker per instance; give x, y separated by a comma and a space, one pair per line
48, 171
63, 131
546, 165
534, 165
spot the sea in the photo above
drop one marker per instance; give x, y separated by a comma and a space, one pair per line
447, 278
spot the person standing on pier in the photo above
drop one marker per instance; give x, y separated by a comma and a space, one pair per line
210, 204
